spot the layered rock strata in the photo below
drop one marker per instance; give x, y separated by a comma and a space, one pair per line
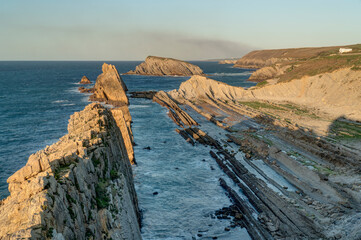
109, 87
336, 93
78, 188
159, 66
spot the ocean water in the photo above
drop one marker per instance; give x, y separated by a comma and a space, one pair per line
36, 100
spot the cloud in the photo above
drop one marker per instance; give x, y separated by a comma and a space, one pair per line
92, 43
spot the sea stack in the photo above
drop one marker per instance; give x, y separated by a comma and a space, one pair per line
160, 66
85, 80
109, 87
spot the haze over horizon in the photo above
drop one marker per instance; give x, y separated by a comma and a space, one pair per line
189, 30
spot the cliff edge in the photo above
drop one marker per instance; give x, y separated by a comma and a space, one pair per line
78, 188
159, 66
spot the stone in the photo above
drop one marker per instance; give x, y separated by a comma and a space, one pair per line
85, 80
159, 66
65, 190
109, 87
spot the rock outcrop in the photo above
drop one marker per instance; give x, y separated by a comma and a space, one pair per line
336, 93
159, 66
266, 73
78, 188
85, 80
109, 87
228, 61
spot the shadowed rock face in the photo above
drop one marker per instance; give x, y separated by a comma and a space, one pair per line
109, 87
80, 186
159, 66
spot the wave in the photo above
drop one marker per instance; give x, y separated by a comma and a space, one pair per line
60, 101
232, 74
68, 104
138, 106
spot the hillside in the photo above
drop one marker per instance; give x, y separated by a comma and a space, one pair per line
288, 64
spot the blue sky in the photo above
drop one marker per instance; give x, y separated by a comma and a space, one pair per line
185, 29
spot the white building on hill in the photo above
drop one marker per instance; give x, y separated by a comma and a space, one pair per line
345, 50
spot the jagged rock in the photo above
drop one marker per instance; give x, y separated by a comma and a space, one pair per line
159, 66
85, 80
80, 186
109, 87
86, 90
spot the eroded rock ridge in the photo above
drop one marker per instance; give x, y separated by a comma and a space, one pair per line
78, 188
159, 66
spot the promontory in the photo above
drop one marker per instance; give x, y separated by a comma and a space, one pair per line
160, 66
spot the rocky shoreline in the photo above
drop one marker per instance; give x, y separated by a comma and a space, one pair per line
321, 199
82, 186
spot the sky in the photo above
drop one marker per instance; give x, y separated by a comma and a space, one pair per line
183, 29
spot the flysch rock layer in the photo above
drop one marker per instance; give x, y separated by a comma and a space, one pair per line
337, 93
78, 188
159, 66
109, 87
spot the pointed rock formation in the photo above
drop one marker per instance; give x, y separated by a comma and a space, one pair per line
109, 87
80, 187
159, 66
85, 80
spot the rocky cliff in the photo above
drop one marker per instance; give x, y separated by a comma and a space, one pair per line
109, 87
159, 66
337, 93
78, 188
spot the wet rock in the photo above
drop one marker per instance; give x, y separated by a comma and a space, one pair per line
227, 229
86, 90
155, 193
147, 148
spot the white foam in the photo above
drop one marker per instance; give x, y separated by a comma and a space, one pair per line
232, 74
60, 101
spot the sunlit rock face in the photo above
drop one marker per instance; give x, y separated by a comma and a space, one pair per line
79, 187
109, 87
159, 66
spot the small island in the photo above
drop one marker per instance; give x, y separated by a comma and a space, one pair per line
160, 66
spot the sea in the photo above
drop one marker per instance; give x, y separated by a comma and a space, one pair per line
37, 98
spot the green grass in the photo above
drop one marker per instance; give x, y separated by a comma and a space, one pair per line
345, 130
321, 64
300, 111
262, 84
102, 198
258, 105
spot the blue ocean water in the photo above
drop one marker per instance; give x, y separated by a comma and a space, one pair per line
37, 98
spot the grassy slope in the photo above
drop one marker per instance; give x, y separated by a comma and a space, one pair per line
310, 61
